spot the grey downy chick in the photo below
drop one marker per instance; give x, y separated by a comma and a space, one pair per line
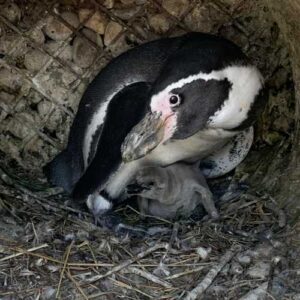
174, 191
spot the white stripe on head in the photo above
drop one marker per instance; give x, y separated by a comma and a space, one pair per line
246, 83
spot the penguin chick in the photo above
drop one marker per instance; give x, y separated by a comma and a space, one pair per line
173, 191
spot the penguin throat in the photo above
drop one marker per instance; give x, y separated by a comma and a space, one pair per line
170, 126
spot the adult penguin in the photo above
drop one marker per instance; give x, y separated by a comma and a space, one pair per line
198, 92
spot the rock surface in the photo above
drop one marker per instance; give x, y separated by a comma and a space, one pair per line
112, 31
93, 20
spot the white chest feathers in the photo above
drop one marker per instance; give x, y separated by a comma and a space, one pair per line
193, 148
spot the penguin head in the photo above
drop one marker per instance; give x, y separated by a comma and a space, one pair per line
182, 106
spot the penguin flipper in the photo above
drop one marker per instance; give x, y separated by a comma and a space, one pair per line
124, 111
59, 171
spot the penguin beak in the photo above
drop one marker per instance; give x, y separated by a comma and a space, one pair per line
144, 137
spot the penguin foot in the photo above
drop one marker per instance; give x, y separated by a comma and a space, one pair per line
100, 208
233, 192
207, 201
97, 204
113, 223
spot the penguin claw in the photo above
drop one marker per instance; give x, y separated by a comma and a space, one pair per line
113, 223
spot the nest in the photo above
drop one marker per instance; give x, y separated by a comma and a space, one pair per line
49, 52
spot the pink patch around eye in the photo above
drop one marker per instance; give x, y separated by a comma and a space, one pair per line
161, 105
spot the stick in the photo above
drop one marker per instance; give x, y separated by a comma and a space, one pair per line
126, 286
212, 274
67, 253
77, 285
127, 262
21, 252
148, 276
185, 273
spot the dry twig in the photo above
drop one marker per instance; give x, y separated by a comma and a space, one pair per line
76, 285
67, 254
148, 276
127, 262
212, 274
22, 251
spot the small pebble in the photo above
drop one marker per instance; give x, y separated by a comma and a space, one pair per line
52, 268
39, 262
93, 36
259, 271
6, 98
10, 79
113, 29
159, 23
17, 128
198, 19
243, 259
176, 7
70, 237
44, 108
11, 12
82, 235
48, 293
119, 46
225, 270
127, 13
95, 21
34, 60
37, 35
56, 30
236, 268
70, 18
127, 2
53, 46
109, 3
84, 53
203, 252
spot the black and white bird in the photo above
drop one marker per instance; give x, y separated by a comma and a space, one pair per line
182, 99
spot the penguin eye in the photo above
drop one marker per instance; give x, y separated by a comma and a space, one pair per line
174, 100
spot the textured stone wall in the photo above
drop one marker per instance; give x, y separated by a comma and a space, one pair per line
287, 15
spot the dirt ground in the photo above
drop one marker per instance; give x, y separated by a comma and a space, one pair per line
49, 52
